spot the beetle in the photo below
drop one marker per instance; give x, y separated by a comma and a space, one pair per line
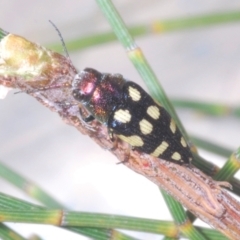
131, 114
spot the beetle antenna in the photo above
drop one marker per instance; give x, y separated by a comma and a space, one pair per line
62, 41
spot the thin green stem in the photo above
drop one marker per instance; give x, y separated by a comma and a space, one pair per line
198, 21
15, 210
83, 219
211, 147
2, 34
206, 108
180, 218
214, 109
176, 209
101, 233
28, 187
229, 168
211, 234
7, 233
159, 26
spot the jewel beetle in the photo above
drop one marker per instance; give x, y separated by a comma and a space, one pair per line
131, 114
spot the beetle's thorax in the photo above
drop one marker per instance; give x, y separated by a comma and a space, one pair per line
99, 93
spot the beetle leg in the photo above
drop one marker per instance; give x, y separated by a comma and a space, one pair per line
85, 120
126, 157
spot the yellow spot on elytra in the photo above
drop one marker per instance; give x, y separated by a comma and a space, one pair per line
160, 149
176, 156
173, 126
134, 94
183, 142
145, 126
153, 111
134, 140
122, 116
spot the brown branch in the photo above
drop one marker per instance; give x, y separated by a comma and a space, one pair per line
29, 67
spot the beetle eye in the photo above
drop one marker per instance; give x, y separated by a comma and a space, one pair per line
76, 94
